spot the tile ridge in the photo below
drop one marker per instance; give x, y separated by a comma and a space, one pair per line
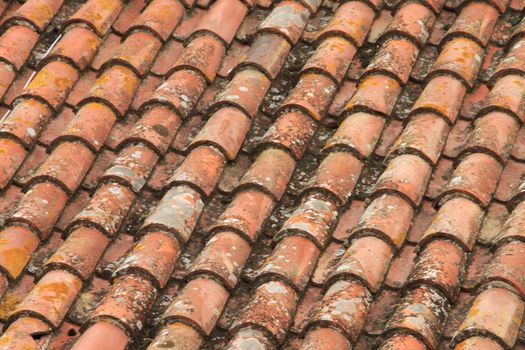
119, 193
396, 181
443, 247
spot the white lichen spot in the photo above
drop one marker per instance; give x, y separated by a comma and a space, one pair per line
275, 287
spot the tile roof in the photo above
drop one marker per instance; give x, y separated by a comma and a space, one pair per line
240, 174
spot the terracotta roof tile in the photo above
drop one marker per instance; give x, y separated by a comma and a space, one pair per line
214, 21
98, 15
246, 214
405, 176
131, 167
50, 85
34, 113
349, 318
56, 303
413, 21
291, 248
358, 133
443, 259
477, 184
376, 94
16, 44
311, 96
502, 125
400, 267
505, 97
111, 202
475, 21
287, 20
334, 62
67, 155
464, 69
375, 221
416, 140
103, 91
121, 302
295, 139
433, 98
239, 93
136, 52
156, 129
36, 14
261, 174
395, 58
128, 14
426, 322
158, 18
501, 320
313, 219
40, 207
461, 228
355, 262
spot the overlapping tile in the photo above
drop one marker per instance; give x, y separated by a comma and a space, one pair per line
332, 185
275, 147
175, 149
174, 98
102, 107
437, 257
470, 189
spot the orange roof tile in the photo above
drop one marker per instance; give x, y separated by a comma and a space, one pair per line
239, 174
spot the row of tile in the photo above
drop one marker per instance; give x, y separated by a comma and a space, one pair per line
225, 238
140, 150
439, 268
226, 253
23, 123
171, 223
106, 52
20, 32
44, 94
52, 173
495, 315
226, 109
50, 135
399, 190
309, 227
70, 159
